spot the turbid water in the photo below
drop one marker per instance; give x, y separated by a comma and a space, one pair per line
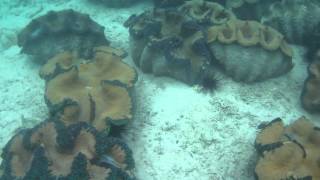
178, 130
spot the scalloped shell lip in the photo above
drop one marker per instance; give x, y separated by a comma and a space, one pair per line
284, 46
222, 16
212, 33
270, 39
211, 11
249, 33
227, 33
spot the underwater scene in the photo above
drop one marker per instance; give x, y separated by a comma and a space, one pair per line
160, 89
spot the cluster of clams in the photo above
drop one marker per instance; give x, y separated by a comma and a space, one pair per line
89, 88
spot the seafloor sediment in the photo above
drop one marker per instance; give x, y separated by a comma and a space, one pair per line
178, 132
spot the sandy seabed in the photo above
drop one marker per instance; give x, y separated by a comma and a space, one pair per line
178, 132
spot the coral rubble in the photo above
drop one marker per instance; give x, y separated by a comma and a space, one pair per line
59, 31
97, 91
291, 152
310, 96
250, 51
53, 151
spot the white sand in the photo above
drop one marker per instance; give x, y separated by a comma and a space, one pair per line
178, 132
